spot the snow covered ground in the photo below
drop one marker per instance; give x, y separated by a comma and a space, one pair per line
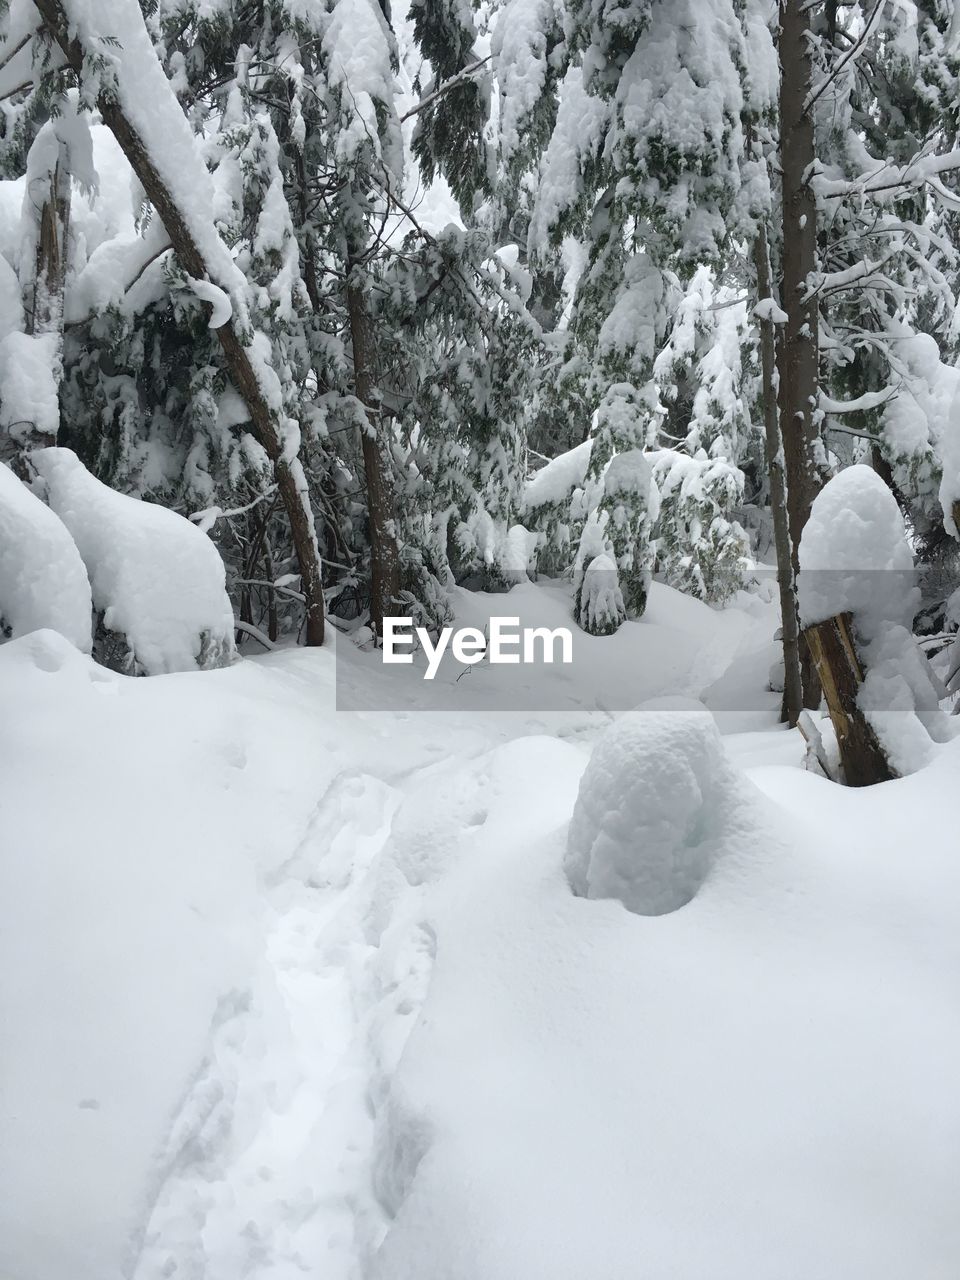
306, 992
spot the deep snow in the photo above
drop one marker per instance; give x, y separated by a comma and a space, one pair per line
302, 992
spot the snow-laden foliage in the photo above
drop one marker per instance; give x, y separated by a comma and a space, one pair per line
599, 606
157, 581
627, 513
706, 372
593, 300
700, 549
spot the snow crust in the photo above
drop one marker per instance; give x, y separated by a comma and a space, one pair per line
43, 583
157, 579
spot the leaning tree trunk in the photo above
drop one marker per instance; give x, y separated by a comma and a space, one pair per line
798, 350
838, 665
291, 484
384, 554
786, 578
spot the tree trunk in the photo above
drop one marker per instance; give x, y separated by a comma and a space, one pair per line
838, 666
798, 349
384, 554
786, 580
50, 270
44, 305
291, 483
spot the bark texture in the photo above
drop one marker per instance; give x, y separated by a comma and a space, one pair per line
241, 370
786, 578
798, 350
51, 264
384, 553
841, 674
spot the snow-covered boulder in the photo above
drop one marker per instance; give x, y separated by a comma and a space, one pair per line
157, 580
652, 811
43, 583
599, 600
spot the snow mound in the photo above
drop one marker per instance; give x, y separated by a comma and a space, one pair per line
43, 583
854, 555
651, 812
158, 580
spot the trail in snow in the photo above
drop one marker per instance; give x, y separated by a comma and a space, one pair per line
295, 1149
282, 1115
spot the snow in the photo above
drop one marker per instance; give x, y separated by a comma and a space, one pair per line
29, 385
519, 49
557, 480
574, 143
116, 32
107, 277
651, 812
601, 605
854, 555
855, 558
157, 579
222, 308
768, 309
357, 44
633, 323
950, 453
11, 305
630, 472
43, 583
307, 992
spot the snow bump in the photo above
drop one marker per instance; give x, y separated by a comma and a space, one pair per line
651, 812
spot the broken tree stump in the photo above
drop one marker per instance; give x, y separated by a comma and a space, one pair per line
841, 675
